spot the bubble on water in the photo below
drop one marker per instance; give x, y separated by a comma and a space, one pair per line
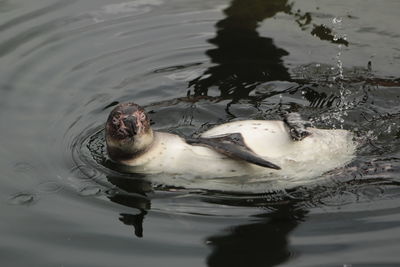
23, 198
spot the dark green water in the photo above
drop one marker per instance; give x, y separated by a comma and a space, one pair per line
64, 64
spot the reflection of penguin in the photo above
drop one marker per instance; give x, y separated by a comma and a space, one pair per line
258, 244
244, 58
132, 194
135, 220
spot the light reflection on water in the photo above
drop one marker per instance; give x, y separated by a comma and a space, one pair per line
192, 65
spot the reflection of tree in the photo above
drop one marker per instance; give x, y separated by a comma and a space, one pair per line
243, 59
264, 243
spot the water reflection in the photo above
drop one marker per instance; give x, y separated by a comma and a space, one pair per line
260, 243
243, 59
132, 193
264, 243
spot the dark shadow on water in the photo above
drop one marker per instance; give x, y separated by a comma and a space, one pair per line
263, 243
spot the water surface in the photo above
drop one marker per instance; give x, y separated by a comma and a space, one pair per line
193, 64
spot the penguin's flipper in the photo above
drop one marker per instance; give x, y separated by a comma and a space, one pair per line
233, 146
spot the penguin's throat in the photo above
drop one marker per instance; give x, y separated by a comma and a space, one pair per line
126, 150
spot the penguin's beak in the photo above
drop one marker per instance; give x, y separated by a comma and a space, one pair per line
131, 125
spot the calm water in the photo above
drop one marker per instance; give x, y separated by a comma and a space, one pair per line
192, 64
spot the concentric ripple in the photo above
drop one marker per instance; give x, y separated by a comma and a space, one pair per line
194, 64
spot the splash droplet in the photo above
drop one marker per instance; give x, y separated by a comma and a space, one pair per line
337, 20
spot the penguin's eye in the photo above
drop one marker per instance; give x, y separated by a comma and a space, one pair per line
115, 121
142, 117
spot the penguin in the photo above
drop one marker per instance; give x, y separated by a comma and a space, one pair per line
270, 149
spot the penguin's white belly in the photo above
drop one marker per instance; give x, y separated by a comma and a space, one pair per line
304, 160
321, 151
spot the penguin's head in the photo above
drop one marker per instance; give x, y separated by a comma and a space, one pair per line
128, 132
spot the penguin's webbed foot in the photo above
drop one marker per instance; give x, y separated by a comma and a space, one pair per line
296, 125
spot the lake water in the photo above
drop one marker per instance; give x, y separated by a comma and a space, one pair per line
193, 64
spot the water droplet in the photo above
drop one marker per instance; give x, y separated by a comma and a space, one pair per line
22, 199
337, 20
